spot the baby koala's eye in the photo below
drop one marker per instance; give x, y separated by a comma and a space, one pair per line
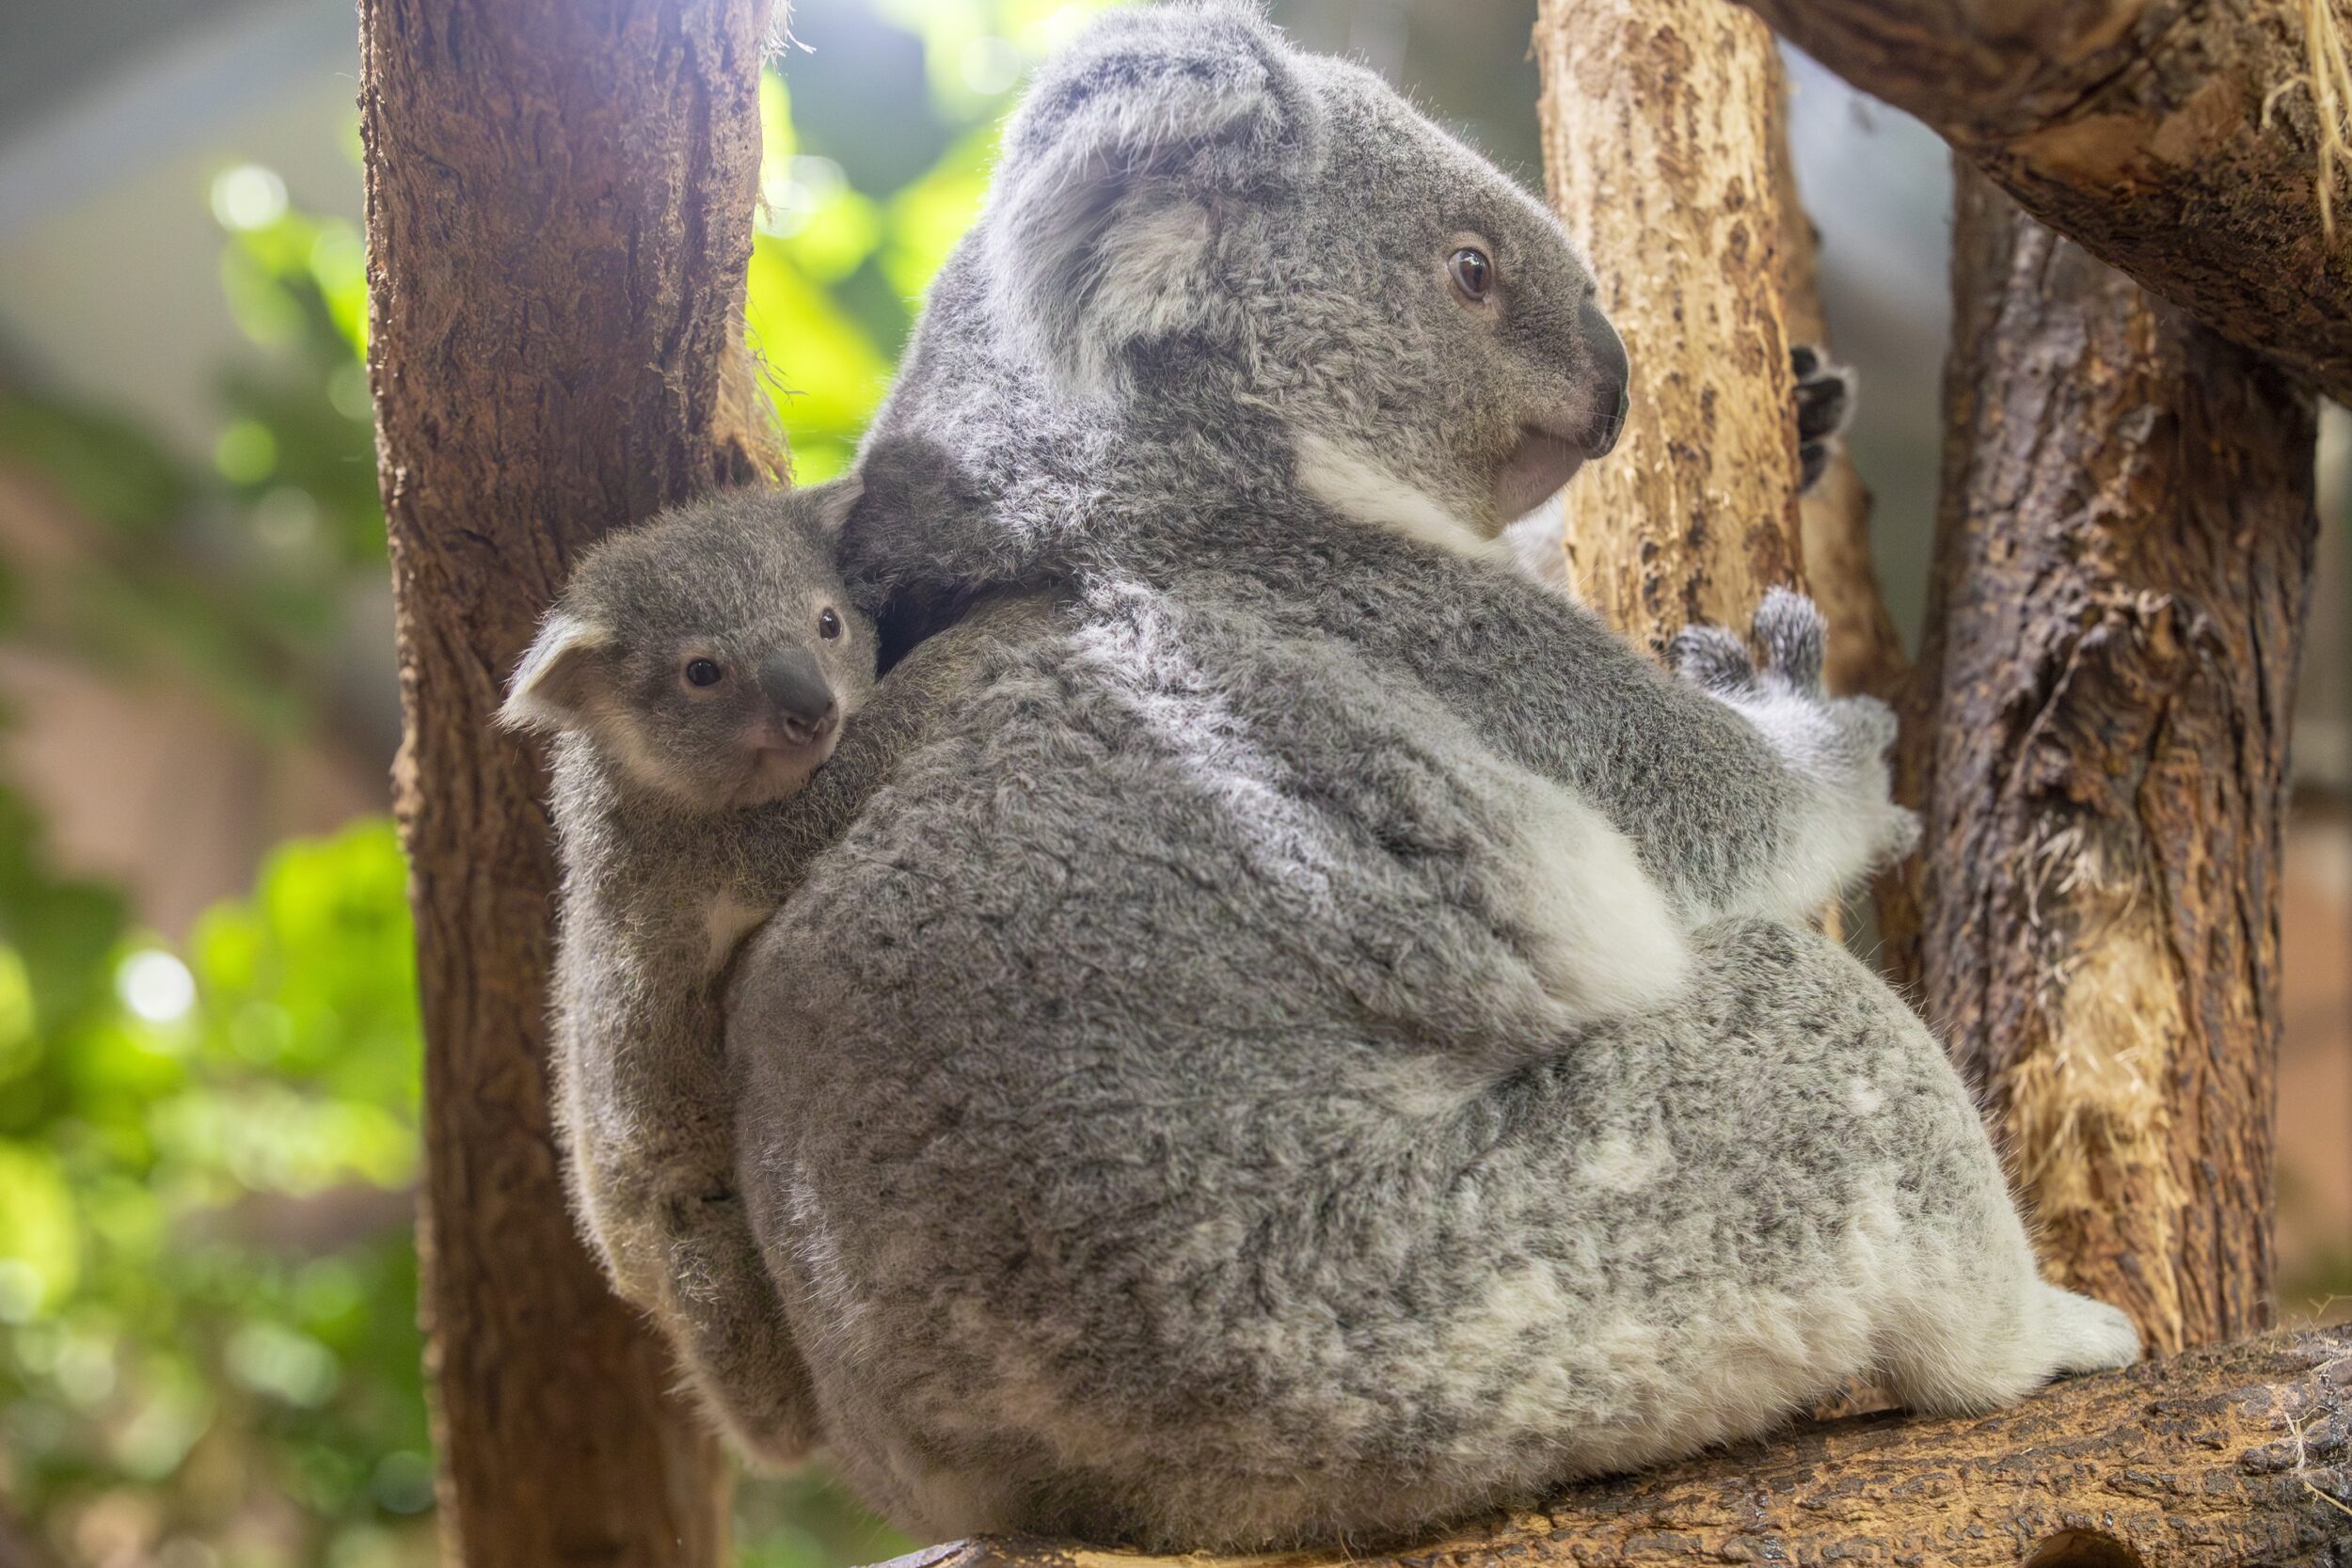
1472, 272
829, 624
704, 672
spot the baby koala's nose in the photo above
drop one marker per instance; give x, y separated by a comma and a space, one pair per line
795, 683
1611, 374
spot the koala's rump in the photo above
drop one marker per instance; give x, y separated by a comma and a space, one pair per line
1108, 1124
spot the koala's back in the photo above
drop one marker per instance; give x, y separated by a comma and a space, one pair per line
1138, 1175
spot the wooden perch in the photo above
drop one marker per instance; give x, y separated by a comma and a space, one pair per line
2237, 1456
2178, 140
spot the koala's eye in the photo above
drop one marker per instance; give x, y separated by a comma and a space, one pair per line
1472, 272
829, 624
704, 672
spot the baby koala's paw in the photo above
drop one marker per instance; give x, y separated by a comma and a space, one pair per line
1838, 743
1825, 400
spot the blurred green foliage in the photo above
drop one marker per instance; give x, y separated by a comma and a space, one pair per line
208, 1347
207, 1292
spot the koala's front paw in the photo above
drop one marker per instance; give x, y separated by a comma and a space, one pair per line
1825, 399
1838, 744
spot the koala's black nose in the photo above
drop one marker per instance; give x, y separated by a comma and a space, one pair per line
795, 683
1612, 372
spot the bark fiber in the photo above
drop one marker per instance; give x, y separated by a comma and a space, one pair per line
559, 199
2238, 1456
1662, 126
2096, 738
2178, 140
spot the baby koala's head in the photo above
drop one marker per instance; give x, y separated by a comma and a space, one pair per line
710, 655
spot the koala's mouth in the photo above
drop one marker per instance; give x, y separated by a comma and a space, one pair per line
1539, 465
1547, 456
781, 767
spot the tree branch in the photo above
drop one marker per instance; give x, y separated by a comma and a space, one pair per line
2177, 140
2234, 1456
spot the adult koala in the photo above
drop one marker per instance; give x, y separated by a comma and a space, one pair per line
1323, 1040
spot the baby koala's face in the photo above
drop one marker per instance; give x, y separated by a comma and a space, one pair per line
712, 656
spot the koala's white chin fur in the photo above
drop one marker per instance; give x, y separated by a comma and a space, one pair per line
1353, 482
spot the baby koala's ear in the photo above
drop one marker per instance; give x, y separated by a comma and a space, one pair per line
1129, 145
555, 687
834, 501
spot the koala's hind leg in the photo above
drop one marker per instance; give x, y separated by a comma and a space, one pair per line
1982, 1327
722, 1316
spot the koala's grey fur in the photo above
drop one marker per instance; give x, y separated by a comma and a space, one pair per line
1320, 1039
665, 871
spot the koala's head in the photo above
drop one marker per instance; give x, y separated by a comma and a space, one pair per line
712, 655
1181, 177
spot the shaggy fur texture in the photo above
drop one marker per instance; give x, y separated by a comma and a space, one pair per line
1320, 1037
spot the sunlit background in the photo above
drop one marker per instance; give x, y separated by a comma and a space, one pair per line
207, 1045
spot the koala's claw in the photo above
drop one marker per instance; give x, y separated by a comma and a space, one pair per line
1825, 400
1712, 658
1795, 640
1839, 742
1789, 629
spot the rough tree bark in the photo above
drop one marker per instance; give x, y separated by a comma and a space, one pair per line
2234, 1457
2178, 140
1662, 123
2097, 739
558, 204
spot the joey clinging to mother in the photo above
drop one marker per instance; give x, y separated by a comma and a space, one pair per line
695, 673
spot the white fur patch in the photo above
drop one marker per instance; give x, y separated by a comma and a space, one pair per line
1352, 482
1621, 1163
1604, 941
1843, 831
617, 730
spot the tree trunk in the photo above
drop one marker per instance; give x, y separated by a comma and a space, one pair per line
559, 200
1662, 121
2179, 141
2234, 1457
2097, 741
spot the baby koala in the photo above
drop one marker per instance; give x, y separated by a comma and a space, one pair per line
695, 673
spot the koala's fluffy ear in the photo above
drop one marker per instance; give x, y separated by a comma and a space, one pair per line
1128, 146
555, 686
834, 501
